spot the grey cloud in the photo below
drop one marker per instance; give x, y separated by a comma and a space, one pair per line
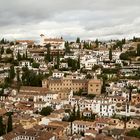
71, 18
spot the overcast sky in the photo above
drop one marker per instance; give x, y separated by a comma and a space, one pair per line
87, 19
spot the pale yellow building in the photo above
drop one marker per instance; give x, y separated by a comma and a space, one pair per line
92, 86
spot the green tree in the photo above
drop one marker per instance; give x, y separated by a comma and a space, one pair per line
9, 51
1, 91
90, 96
130, 88
110, 54
78, 113
88, 76
125, 119
58, 60
46, 111
124, 56
67, 47
120, 46
1, 126
78, 40
35, 65
134, 39
25, 76
23, 57
19, 56
2, 50
14, 62
97, 43
73, 115
73, 64
47, 56
85, 45
123, 41
128, 55
26, 55
30, 78
50, 72
82, 133
12, 72
18, 75
74, 112
18, 79
10, 122
2, 41
93, 116
138, 50
133, 133
78, 63
104, 78
11, 43
80, 47
95, 67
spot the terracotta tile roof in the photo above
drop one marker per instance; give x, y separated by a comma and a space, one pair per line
59, 111
34, 90
83, 122
91, 131
102, 120
45, 136
2, 111
37, 50
25, 41
130, 138
103, 137
38, 135
58, 123
96, 81
54, 40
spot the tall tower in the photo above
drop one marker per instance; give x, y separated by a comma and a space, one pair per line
42, 39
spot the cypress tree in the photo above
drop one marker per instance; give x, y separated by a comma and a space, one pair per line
12, 73
74, 112
97, 42
48, 57
58, 60
84, 45
3, 41
18, 80
9, 125
138, 50
18, 56
110, 54
2, 50
67, 48
78, 40
134, 39
78, 63
120, 47
26, 55
1, 126
78, 113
